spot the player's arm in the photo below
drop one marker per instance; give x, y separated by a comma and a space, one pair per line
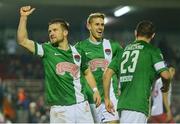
106, 85
167, 106
165, 97
92, 83
22, 35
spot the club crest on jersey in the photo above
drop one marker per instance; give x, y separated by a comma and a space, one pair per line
77, 57
108, 51
63, 67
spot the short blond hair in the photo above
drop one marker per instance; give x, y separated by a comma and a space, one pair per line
95, 15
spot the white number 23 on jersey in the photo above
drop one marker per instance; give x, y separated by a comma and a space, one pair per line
133, 55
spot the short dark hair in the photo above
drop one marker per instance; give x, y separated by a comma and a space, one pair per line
145, 28
95, 15
63, 23
169, 65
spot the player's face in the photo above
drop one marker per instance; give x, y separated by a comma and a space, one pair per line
96, 28
56, 33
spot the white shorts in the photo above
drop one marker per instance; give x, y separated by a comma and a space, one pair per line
127, 116
94, 113
100, 114
77, 113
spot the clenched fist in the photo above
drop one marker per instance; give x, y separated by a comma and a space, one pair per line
26, 10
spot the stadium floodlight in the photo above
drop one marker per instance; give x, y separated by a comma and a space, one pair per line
106, 20
122, 11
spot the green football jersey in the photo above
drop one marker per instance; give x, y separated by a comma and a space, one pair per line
99, 55
63, 74
139, 65
115, 63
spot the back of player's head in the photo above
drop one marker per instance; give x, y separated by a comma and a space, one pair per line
62, 22
145, 29
95, 15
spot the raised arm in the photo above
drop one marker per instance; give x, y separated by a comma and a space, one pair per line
22, 35
92, 83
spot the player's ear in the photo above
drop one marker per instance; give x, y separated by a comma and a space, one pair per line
88, 26
135, 33
65, 32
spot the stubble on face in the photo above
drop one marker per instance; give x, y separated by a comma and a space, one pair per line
55, 34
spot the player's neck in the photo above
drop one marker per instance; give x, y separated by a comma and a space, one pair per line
143, 39
93, 39
63, 45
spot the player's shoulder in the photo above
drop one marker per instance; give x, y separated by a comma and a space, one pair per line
153, 48
148, 46
111, 41
82, 43
78, 48
47, 44
114, 43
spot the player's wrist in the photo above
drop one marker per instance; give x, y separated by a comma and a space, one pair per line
95, 89
24, 17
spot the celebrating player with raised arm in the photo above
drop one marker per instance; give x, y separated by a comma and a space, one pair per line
64, 67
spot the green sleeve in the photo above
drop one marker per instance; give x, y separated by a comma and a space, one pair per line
158, 61
115, 63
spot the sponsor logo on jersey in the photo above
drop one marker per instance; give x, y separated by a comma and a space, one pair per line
77, 58
98, 63
126, 78
87, 53
63, 67
108, 51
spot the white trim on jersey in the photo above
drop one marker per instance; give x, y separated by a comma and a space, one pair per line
107, 45
76, 81
159, 65
40, 50
108, 116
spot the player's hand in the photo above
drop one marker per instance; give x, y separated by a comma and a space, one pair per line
109, 105
26, 10
97, 98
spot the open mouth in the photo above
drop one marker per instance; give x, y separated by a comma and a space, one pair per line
99, 32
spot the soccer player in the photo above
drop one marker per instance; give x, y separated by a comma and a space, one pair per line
139, 65
161, 102
100, 52
64, 69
